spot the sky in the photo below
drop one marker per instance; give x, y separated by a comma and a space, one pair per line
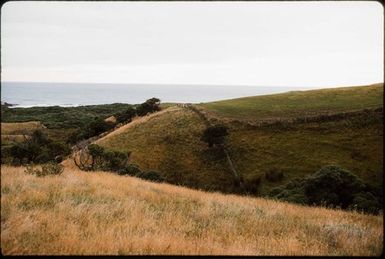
318, 44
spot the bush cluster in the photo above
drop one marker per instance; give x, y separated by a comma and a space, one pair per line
274, 175
98, 125
55, 117
332, 186
98, 158
125, 116
134, 170
149, 106
151, 175
94, 128
36, 149
252, 184
114, 161
215, 135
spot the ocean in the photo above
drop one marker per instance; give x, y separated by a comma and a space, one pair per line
30, 94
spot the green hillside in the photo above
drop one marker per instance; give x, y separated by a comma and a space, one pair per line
170, 142
299, 103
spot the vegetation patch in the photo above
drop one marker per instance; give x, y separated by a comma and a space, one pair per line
331, 186
46, 169
299, 103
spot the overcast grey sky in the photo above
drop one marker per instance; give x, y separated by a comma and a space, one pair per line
232, 43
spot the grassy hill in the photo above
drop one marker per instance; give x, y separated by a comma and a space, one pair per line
299, 103
103, 213
170, 142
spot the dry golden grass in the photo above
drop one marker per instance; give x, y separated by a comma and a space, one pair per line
15, 131
136, 121
9, 139
103, 213
111, 119
14, 128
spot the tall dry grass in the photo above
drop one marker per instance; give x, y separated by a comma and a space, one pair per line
103, 213
12, 128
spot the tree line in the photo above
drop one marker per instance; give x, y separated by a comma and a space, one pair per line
99, 125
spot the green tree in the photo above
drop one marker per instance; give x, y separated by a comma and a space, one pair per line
97, 127
332, 185
115, 160
39, 137
126, 116
151, 175
149, 106
215, 135
97, 152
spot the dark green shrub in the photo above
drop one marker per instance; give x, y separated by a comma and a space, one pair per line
95, 157
96, 127
151, 175
274, 175
38, 149
43, 157
376, 190
332, 186
275, 191
97, 152
39, 137
131, 169
115, 160
215, 135
93, 128
367, 202
149, 106
27, 151
126, 116
6, 157
293, 191
252, 184
58, 148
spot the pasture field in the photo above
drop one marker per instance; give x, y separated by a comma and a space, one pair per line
298, 103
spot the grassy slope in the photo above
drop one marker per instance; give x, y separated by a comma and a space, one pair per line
305, 149
299, 103
103, 213
170, 143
